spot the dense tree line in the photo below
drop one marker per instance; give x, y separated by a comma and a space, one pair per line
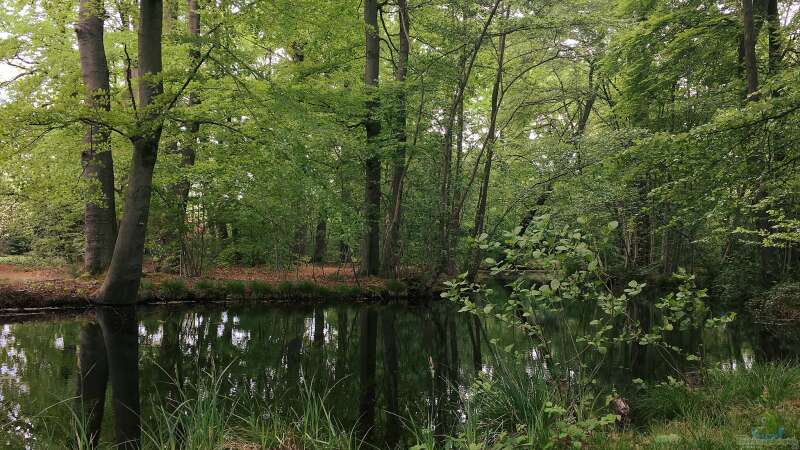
399, 135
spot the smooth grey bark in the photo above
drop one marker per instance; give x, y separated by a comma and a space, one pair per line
121, 285
391, 248
370, 251
100, 218
491, 137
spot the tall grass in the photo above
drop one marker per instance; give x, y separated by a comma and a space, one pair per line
510, 408
710, 415
762, 386
198, 417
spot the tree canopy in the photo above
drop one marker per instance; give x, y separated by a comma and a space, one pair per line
484, 114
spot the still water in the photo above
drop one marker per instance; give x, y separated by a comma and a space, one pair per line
373, 364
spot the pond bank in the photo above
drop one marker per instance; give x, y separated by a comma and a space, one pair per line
40, 288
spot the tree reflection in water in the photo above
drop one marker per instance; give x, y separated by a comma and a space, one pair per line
109, 350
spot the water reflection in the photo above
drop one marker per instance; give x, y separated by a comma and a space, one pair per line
109, 350
374, 364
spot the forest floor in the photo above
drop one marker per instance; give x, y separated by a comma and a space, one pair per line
28, 283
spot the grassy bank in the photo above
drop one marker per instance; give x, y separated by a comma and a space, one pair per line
27, 283
511, 410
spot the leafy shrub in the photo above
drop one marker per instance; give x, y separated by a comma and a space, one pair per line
347, 291
285, 287
173, 289
395, 286
306, 287
209, 289
781, 303
235, 288
260, 289
15, 245
241, 254
145, 288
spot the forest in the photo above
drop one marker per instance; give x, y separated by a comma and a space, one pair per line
290, 224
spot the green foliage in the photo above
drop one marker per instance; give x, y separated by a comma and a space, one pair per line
762, 386
285, 288
778, 305
241, 255
395, 287
347, 291
574, 278
235, 288
260, 289
32, 261
145, 288
307, 288
173, 289
15, 245
210, 289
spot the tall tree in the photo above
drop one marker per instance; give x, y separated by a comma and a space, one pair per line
491, 138
749, 44
100, 219
188, 149
370, 253
122, 282
320, 241
773, 28
446, 206
391, 252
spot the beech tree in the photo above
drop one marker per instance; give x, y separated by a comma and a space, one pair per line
121, 284
370, 253
100, 216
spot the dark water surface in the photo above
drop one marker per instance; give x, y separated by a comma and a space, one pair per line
373, 364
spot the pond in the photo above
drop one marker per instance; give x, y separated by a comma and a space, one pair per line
378, 367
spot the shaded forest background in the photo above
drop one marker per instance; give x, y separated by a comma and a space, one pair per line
398, 136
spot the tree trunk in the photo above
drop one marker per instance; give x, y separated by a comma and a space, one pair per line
773, 27
121, 286
454, 226
320, 242
391, 253
188, 150
370, 253
447, 253
749, 44
100, 220
491, 137
189, 154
